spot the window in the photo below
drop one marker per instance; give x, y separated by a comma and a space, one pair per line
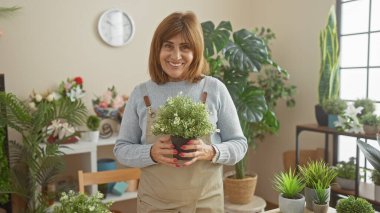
359, 25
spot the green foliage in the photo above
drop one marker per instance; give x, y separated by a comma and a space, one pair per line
346, 170
317, 172
4, 168
334, 106
352, 205
375, 177
367, 104
329, 82
289, 184
7, 11
321, 194
78, 202
182, 117
370, 119
93, 122
35, 163
233, 57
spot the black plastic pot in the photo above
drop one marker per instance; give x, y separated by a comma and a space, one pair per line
321, 116
178, 142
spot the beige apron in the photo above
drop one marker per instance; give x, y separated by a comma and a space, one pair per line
195, 188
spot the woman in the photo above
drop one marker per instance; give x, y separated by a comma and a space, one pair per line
176, 64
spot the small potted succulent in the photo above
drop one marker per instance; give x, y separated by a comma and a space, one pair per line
333, 107
93, 123
290, 186
370, 123
321, 200
375, 177
352, 204
182, 119
316, 172
346, 174
367, 104
78, 202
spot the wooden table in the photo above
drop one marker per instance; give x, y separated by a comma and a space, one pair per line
331, 210
257, 204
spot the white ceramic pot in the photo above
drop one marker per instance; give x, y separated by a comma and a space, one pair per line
291, 205
377, 193
346, 184
93, 136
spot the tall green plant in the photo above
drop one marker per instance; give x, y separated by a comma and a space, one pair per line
35, 166
329, 82
371, 153
232, 57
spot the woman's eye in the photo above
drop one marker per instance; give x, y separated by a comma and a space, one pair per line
185, 47
167, 46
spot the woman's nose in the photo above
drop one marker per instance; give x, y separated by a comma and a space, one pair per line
176, 54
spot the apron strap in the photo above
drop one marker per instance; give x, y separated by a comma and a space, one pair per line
204, 93
147, 101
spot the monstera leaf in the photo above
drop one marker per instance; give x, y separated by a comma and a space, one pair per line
215, 39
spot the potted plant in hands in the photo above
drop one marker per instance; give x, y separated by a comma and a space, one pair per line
333, 107
321, 201
329, 74
375, 177
316, 172
182, 119
346, 174
290, 186
352, 204
93, 123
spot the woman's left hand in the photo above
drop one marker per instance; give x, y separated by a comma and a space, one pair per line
202, 151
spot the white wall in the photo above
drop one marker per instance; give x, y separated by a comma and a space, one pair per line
48, 41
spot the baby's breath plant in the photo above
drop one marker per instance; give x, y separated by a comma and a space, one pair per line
79, 202
182, 117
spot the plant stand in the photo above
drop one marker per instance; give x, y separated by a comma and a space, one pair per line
257, 204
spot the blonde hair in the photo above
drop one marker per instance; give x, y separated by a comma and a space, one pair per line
187, 25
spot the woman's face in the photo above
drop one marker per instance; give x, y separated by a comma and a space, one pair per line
176, 57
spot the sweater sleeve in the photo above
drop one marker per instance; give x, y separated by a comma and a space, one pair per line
129, 149
233, 146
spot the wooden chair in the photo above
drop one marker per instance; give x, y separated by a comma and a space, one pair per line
289, 157
90, 178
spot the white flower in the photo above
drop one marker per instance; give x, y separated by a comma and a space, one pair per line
32, 105
38, 98
351, 111
91, 208
75, 93
50, 97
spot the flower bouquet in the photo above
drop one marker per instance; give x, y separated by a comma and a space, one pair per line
37, 98
60, 131
72, 89
183, 120
349, 122
110, 104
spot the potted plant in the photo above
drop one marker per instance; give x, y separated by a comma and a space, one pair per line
78, 202
375, 177
346, 174
348, 121
333, 107
367, 104
233, 57
182, 119
321, 201
329, 74
352, 204
316, 172
371, 123
35, 163
93, 123
290, 186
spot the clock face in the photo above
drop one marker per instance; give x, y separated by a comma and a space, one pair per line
115, 27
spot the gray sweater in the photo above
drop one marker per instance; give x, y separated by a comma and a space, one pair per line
131, 148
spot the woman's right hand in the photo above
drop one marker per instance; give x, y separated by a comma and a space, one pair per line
163, 146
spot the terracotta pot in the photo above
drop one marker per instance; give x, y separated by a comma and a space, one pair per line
178, 142
240, 191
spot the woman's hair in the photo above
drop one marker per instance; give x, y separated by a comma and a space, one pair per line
187, 25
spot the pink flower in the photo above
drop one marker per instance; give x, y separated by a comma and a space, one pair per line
107, 97
103, 104
118, 102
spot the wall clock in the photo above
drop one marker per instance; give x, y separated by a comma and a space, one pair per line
115, 27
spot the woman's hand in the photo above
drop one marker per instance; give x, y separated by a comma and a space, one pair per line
163, 146
202, 151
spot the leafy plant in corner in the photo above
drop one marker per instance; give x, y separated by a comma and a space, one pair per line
288, 184
352, 204
233, 57
36, 163
370, 120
